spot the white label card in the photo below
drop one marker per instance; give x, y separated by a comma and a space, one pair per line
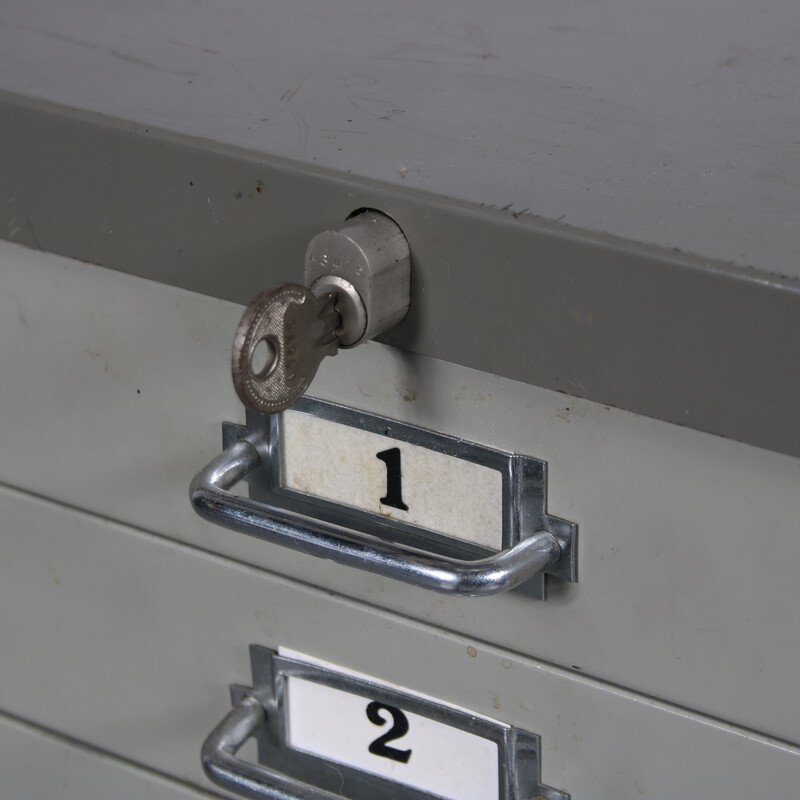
385, 740
396, 479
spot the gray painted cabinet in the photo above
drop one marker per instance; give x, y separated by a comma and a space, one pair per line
603, 231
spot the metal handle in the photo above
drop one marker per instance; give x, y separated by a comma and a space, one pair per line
220, 764
497, 573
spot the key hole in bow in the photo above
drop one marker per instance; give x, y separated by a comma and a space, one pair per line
264, 358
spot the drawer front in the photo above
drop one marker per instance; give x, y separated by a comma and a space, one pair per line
39, 765
114, 389
128, 641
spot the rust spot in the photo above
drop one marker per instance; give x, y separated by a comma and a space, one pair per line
258, 189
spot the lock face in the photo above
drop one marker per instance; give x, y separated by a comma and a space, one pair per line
367, 261
387, 479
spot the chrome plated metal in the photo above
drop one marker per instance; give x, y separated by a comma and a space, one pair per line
349, 306
295, 329
534, 541
287, 774
218, 756
370, 252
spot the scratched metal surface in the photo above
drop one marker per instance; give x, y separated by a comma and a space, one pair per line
673, 124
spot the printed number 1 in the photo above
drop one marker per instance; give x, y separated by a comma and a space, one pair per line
394, 486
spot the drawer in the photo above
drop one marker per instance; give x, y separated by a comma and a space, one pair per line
39, 765
114, 388
127, 641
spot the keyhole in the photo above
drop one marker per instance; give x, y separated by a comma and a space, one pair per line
264, 358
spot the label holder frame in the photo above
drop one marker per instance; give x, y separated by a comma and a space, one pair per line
519, 751
524, 489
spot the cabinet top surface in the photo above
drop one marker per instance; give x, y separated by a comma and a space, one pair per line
673, 124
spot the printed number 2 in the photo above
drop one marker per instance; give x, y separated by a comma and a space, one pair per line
397, 731
394, 486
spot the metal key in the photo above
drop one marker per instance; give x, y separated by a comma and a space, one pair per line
281, 341
359, 276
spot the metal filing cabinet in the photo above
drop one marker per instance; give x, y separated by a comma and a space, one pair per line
633, 362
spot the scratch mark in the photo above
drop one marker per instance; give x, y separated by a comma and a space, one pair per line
213, 211
193, 47
249, 85
340, 774
302, 129
112, 51
364, 102
576, 382
33, 233
338, 130
59, 36
293, 90
302, 125
133, 59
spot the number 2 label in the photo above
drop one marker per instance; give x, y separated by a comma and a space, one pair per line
397, 731
380, 735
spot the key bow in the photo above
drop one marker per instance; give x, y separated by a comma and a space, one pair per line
282, 337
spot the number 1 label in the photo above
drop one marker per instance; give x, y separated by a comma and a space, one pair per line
401, 481
394, 478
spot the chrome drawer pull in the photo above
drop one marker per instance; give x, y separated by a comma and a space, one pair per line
285, 705
505, 570
220, 764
